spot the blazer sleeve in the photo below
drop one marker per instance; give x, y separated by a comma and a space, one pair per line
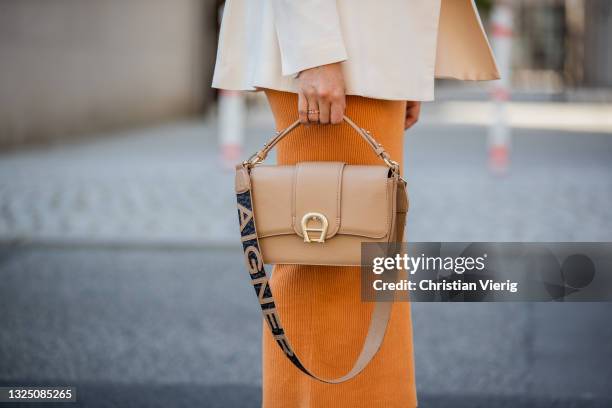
309, 34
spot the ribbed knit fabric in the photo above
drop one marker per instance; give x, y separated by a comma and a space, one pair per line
320, 306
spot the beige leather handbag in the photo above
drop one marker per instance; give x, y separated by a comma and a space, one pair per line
318, 213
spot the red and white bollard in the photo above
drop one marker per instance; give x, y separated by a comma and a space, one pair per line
231, 127
499, 132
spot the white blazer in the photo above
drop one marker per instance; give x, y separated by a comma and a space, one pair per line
389, 49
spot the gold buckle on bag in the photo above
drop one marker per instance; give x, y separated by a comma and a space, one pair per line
314, 216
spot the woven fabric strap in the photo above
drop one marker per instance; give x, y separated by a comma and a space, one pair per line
260, 281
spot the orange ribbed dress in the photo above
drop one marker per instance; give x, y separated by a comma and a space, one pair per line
320, 306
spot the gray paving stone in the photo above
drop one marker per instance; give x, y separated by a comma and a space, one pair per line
165, 185
121, 319
155, 323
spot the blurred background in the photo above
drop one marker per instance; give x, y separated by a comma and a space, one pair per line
120, 268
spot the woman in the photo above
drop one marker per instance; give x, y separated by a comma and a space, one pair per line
318, 60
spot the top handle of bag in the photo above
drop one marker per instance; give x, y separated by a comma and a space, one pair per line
380, 151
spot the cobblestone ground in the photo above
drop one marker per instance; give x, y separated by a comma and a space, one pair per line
165, 185
161, 185
135, 327
166, 324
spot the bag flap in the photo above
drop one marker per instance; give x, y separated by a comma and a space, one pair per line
353, 199
367, 201
317, 188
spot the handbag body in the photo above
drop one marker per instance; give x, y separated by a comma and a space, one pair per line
318, 213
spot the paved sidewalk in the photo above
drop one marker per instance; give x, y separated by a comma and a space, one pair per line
556, 116
161, 185
181, 328
164, 186
161, 320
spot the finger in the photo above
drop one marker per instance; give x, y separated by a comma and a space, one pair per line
324, 110
411, 119
338, 106
409, 122
302, 107
313, 106
412, 114
416, 112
